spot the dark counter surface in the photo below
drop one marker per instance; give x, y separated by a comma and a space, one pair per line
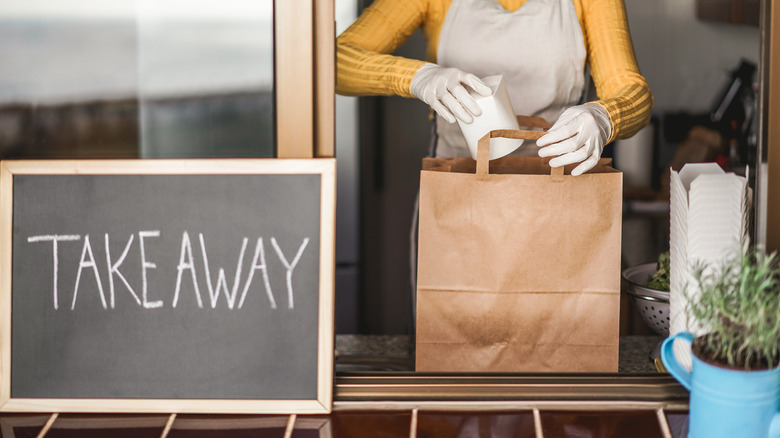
396, 353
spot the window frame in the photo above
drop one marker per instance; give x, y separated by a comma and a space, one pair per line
305, 78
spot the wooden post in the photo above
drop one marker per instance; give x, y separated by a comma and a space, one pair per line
771, 56
168, 425
325, 77
290, 426
48, 425
294, 78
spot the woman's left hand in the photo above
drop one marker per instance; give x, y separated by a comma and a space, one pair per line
578, 136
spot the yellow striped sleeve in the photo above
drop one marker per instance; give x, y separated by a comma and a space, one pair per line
622, 90
363, 61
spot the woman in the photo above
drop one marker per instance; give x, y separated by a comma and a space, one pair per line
541, 47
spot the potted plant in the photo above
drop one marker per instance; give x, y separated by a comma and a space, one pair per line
735, 379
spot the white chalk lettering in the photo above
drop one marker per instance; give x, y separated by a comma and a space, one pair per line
113, 269
87, 250
221, 281
54, 239
144, 266
146, 295
186, 251
289, 266
259, 257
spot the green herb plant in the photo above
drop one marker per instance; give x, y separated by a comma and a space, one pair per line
738, 305
660, 278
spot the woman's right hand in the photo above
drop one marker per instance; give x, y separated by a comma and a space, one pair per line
444, 89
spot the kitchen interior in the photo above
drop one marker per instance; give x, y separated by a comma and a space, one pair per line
174, 93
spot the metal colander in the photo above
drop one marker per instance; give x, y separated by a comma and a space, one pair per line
652, 304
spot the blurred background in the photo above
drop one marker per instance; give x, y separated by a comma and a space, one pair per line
136, 78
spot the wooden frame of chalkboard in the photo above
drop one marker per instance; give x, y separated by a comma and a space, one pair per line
280, 341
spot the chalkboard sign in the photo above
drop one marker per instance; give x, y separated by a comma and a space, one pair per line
167, 285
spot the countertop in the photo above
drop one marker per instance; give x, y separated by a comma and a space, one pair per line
396, 353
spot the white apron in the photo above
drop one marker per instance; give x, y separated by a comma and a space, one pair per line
539, 49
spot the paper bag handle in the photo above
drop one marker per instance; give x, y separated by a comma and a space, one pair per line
483, 146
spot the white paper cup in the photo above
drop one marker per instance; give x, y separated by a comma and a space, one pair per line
497, 113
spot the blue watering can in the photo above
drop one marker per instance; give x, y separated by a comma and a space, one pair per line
726, 402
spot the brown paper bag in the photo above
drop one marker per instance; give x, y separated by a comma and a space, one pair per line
518, 268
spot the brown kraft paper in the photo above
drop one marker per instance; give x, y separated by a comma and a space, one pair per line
518, 269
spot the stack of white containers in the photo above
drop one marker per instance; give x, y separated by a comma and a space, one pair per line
709, 222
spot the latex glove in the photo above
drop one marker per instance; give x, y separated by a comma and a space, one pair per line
444, 89
578, 136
